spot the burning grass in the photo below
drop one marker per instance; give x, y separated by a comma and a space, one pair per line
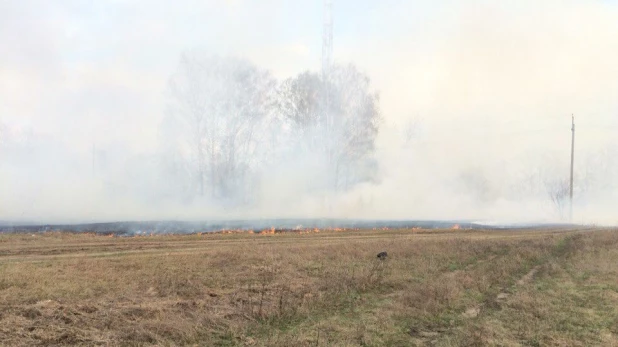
444, 288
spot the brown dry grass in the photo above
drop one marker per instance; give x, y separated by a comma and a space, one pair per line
442, 288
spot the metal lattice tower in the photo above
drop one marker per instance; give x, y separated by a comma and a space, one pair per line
327, 57
327, 39
327, 61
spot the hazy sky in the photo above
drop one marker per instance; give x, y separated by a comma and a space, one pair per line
97, 70
488, 80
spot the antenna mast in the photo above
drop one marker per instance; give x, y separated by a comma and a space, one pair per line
327, 39
327, 59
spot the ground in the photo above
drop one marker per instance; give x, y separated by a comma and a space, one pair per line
440, 288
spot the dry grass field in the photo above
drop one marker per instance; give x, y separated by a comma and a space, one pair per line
438, 288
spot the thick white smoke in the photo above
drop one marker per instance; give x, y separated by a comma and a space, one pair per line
475, 100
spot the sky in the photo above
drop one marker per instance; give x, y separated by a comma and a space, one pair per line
487, 82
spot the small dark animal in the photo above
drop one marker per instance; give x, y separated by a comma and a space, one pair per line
382, 255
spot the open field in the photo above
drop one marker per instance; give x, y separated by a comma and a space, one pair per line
551, 287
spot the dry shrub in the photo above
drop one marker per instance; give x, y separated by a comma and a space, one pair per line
434, 296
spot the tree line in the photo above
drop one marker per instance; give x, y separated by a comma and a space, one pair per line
228, 122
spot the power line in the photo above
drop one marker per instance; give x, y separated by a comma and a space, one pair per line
455, 137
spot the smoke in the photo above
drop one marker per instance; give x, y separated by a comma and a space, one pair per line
475, 100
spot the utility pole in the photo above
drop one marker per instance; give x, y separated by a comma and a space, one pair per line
93, 159
572, 161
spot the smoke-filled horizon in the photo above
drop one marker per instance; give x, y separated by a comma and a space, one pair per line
135, 110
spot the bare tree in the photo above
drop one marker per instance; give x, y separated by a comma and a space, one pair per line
343, 130
222, 103
410, 131
558, 192
355, 125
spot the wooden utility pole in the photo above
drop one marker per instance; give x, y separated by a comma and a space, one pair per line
93, 159
572, 160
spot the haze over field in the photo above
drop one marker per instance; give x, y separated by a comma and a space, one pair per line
214, 109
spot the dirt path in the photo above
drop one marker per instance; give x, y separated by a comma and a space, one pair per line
527, 278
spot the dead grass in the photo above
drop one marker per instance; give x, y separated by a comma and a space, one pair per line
445, 288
